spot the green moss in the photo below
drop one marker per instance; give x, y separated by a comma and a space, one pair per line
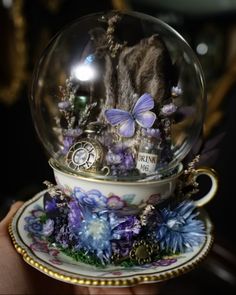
43, 218
81, 256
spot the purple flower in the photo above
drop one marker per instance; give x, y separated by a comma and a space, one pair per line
113, 158
93, 199
74, 216
115, 203
121, 247
37, 211
120, 159
73, 133
176, 91
164, 262
64, 105
40, 246
152, 132
168, 109
48, 227
63, 236
67, 143
50, 205
125, 227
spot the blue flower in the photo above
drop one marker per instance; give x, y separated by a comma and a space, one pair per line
178, 230
95, 235
33, 225
93, 199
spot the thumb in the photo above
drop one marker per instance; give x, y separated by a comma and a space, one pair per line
5, 222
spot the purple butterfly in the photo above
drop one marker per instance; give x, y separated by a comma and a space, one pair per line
140, 114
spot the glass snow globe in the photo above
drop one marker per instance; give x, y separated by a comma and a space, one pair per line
118, 96
118, 101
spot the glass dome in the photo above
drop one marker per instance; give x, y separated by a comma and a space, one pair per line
118, 95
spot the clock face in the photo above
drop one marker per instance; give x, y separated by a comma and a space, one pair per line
82, 155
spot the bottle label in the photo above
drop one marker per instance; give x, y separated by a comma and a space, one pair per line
146, 163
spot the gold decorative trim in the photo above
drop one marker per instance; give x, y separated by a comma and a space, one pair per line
119, 282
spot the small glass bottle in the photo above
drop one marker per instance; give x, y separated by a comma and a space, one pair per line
148, 154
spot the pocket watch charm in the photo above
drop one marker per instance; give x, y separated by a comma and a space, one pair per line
86, 154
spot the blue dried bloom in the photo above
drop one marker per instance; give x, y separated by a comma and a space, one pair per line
178, 230
95, 235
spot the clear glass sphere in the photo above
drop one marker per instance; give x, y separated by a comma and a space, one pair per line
118, 95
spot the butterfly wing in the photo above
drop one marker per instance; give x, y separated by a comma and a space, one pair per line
127, 128
141, 111
116, 116
145, 119
122, 118
143, 104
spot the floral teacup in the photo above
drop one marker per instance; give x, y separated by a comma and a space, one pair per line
119, 194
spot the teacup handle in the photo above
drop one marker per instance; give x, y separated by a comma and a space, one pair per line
214, 185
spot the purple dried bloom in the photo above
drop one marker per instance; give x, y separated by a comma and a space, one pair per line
73, 132
74, 216
152, 132
64, 105
51, 205
122, 247
113, 158
128, 161
168, 109
67, 143
48, 228
176, 91
125, 227
121, 159
63, 236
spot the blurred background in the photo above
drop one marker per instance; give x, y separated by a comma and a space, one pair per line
210, 28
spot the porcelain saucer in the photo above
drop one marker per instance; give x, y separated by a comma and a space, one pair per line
38, 253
